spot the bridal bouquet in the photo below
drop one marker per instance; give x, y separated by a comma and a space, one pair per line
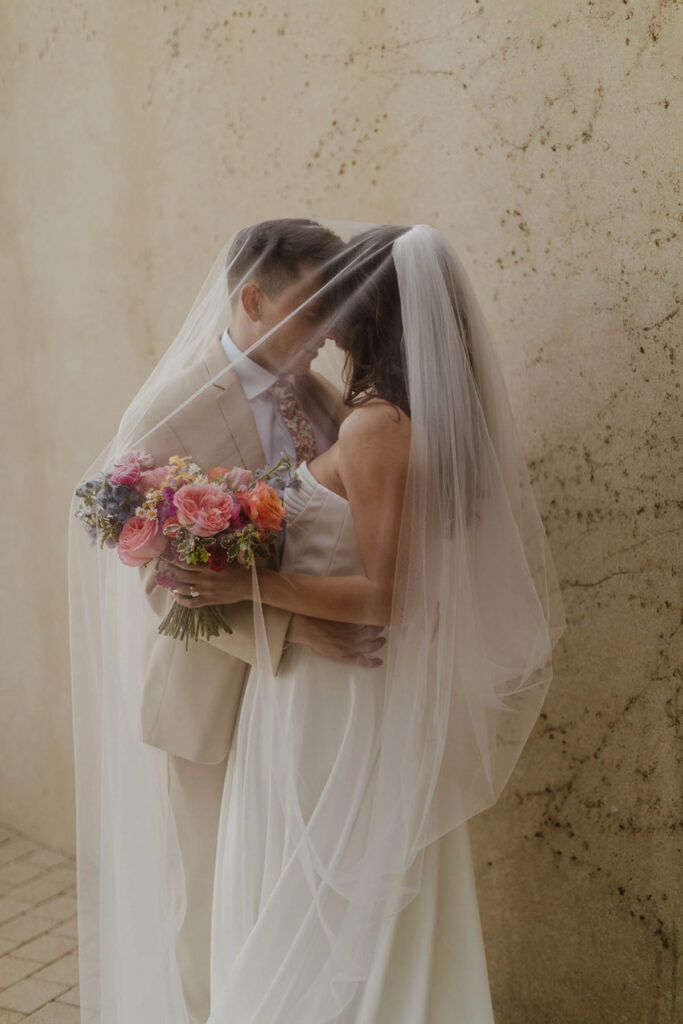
179, 513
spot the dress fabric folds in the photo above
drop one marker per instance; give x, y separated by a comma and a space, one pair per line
429, 966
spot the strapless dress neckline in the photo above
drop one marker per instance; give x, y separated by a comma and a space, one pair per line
304, 474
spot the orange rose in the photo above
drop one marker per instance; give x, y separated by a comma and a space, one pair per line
217, 473
262, 506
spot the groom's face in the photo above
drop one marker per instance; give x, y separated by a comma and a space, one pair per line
297, 336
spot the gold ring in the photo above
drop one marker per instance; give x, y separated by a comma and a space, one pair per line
193, 591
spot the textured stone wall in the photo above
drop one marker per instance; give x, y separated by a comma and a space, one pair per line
542, 138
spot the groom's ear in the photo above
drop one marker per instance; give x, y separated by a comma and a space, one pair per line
251, 299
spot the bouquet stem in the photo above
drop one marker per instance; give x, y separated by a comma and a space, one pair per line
183, 623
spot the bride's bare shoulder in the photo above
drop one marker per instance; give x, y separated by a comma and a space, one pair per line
377, 424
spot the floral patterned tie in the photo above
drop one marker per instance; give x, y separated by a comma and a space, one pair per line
295, 419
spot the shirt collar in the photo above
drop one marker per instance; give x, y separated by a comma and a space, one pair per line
255, 379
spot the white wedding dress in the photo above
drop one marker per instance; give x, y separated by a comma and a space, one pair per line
430, 966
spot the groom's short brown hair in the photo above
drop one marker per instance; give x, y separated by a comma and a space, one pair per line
273, 251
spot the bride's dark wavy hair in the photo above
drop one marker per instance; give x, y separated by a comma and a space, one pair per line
366, 306
367, 320
366, 315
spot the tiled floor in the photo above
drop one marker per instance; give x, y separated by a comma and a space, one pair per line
38, 937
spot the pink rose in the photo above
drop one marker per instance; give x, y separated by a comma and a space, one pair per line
239, 478
129, 467
234, 479
203, 509
151, 480
140, 540
126, 471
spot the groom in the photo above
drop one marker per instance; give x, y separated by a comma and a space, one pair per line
191, 698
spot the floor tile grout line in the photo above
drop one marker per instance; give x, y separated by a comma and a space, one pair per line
16, 834
40, 966
11, 892
34, 878
30, 907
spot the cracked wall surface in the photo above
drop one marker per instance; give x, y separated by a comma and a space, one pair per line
542, 137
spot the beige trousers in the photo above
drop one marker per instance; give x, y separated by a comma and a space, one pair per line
196, 791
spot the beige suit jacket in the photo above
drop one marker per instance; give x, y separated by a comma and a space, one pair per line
190, 699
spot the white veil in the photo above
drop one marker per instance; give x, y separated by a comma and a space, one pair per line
476, 613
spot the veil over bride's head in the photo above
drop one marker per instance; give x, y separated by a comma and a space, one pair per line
378, 311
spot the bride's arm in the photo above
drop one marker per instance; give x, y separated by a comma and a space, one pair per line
374, 443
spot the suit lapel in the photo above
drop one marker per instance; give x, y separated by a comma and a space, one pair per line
234, 412
233, 409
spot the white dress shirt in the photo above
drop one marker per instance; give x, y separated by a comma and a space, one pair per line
272, 430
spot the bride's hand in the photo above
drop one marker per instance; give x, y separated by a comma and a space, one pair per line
227, 585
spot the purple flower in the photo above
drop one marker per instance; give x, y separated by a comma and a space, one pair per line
164, 512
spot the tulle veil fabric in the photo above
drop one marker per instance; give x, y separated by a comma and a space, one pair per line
477, 611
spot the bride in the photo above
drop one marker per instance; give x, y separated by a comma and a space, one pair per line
344, 887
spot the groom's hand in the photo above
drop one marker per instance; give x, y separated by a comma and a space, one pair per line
340, 641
